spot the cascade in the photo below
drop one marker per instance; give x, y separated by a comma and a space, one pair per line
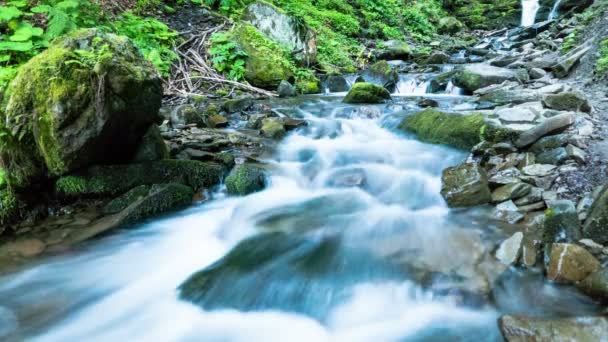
528, 13
554, 14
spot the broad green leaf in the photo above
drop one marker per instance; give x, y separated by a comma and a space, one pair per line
41, 9
9, 13
16, 46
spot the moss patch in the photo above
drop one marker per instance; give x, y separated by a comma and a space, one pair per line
245, 179
457, 130
367, 93
102, 181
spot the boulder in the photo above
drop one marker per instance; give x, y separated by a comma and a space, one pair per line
245, 179
266, 65
561, 223
520, 329
537, 73
465, 185
238, 104
437, 57
284, 29
336, 84
146, 201
381, 73
549, 126
449, 25
285, 89
66, 110
567, 101
538, 170
152, 147
364, 92
569, 263
565, 63
595, 285
477, 76
111, 180
554, 156
455, 129
510, 250
393, 50
511, 191
596, 225
273, 128
507, 212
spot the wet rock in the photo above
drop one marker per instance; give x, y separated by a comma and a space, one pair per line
507, 212
529, 253
534, 195
425, 103
553, 156
381, 74
567, 101
576, 154
564, 64
291, 124
245, 179
595, 285
239, 104
550, 125
511, 191
549, 142
216, 121
284, 29
504, 177
465, 185
538, 170
536, 73
437, 57
285, 89
27, 247
367, 93
273, 128
561, 223
509, 251
336, 84
524, 329
152, 146
255, 121
477, 76
583, 207
449, 25
527, 159
596, 225
569, 263
393, 50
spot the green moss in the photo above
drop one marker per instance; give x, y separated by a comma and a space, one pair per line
367, 93
101, 181
309, 87
468, 80
245, 179
122, 202
460, 131
8, 205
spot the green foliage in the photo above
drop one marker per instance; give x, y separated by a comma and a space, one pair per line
227, 57
153, 38
601, 66
570, 42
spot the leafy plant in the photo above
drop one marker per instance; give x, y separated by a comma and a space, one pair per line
601, 66
227, 57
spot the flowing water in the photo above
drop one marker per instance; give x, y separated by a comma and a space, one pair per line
349, 181
528, 13
554, 11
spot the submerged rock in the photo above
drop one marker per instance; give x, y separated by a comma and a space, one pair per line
245, 179
519, 329
367, 93
569, 263
71, 112
465, 185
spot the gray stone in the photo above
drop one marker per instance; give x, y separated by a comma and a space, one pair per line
550, 125
285, 89
553, 156
532, 329
536, 73
576, 154
507, 212
549, 142
561, 223
535, 195
596, 225
569, 263
567, 101
336, 84
538, 170
273, 128
239, 104
511, 191
595, 285
465, 185
510, 250
477, 76
565, 64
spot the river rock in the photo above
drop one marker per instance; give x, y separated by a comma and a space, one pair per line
538, 170
239, 104
569, 263
284, 29
507, 212
596, 225
510, 250
71, 116
550, 142
477, 76
437, 57
273, 128
595, 285
536, 73
336, 83
367, 93
381, 74
393, 50
554, 156
567, 101
152, 147
286, 89
465, 185
533, 329
511, 191
564, 64
550, 125
245, 179
535, 195
561, 223
449, 25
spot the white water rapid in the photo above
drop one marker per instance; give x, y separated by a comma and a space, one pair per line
554, 11
528, 13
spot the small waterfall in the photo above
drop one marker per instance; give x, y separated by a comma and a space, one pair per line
529, 10
554, 14
412, 85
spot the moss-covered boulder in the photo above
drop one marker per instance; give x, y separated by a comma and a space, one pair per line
245, 179
477, 76
267, 64
381, 73
465, 185
364, 92
568, 100
111, 180
455, 129
311, 86
145, 201
393, 49
87, 99
449, 25
273, 128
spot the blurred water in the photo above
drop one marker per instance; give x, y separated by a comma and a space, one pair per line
347, 177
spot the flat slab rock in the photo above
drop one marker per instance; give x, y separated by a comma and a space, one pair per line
523, 329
